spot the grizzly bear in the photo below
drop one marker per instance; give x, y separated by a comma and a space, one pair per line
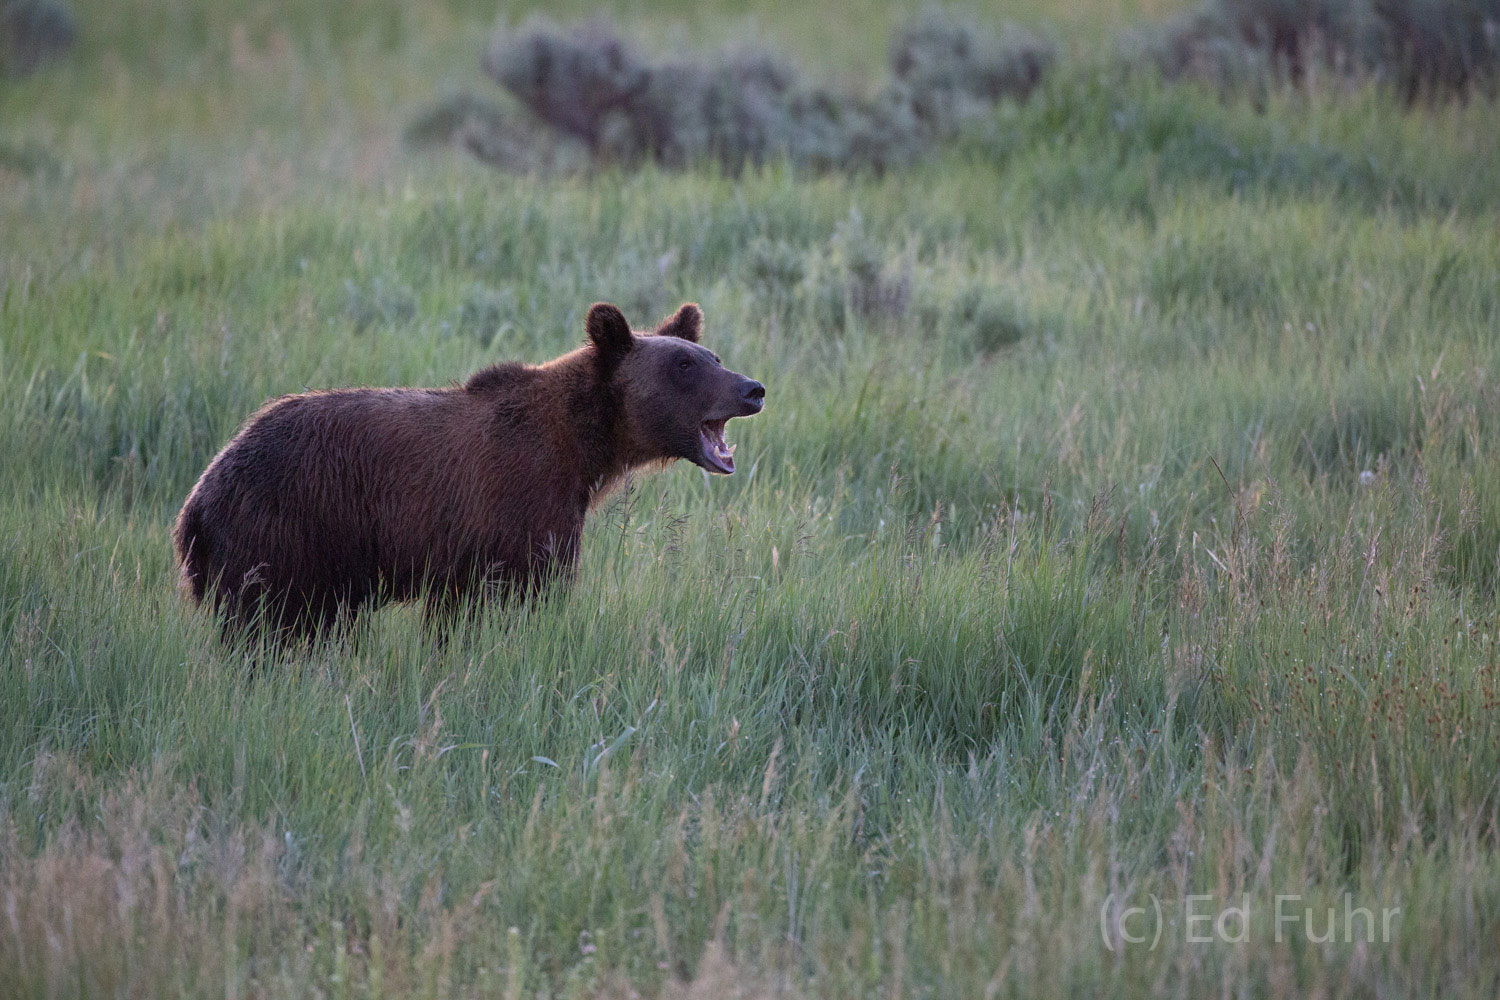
327, 502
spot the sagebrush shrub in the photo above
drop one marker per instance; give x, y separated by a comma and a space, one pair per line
32, 32
1416, 46
950, 65
589, 86
1442, 44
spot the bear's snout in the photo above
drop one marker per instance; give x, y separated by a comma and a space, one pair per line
752, 395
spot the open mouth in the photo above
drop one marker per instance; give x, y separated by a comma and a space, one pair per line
717, 455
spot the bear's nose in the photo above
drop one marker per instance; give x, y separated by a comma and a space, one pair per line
753, 393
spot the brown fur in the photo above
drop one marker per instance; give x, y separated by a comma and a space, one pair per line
329, 501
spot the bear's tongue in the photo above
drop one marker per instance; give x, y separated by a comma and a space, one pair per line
718, 454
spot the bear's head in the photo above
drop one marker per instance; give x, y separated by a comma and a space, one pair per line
675, 393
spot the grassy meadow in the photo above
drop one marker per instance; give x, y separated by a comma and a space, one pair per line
1120, 542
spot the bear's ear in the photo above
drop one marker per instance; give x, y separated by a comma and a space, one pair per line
686, 323
608, 332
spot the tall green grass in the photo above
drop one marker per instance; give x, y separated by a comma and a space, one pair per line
1120, 526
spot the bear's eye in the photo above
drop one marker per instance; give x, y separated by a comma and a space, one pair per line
718, 360
685, 364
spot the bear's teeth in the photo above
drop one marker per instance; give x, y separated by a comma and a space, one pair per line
715, 448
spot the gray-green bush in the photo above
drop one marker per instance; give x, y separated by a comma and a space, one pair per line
592, 87
33, 33
1416, 46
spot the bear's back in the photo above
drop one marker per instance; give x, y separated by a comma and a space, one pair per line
509, 375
